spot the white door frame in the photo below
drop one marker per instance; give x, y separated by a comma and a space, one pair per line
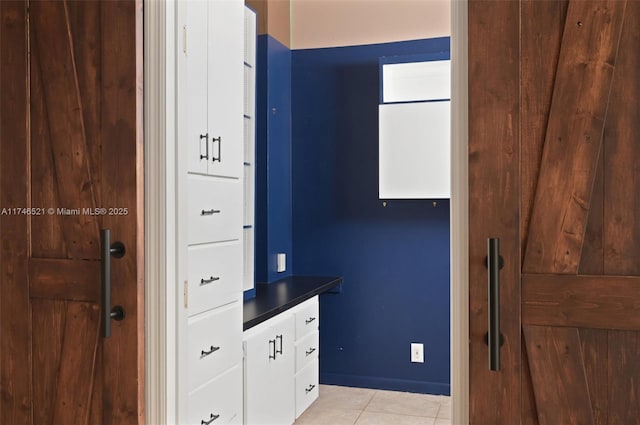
160, 34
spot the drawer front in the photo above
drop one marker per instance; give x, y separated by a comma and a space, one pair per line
215, 275
219, 401
307, 317
214, 209
214, 343
307, 387
307, 350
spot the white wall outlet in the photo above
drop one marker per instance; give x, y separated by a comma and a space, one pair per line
417, 352
281, 262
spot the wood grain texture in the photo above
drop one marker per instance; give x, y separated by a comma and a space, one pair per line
622, 156
494, 203
624, 376
543, 23
595, 356
77, 366
529, 414
51, 30
121, 165
15, 321
47, 236
49, 319
558, 375
77, 280
597, 302
573, 136
592, 258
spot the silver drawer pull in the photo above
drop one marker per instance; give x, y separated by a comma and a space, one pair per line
212, 350
309, 320
211, 419
310, 352
210, 212
309, 389
208, 281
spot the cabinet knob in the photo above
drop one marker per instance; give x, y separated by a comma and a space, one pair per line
309, 388
309, 320
208, 281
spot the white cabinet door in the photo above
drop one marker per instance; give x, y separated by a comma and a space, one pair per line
415, 150
196, 143
226, 85
269, 390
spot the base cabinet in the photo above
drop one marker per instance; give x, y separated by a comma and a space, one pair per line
281, 366
269, 366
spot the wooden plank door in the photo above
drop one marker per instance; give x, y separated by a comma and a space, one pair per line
70, 165
554, 169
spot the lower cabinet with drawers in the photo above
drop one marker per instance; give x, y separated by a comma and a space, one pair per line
281, 366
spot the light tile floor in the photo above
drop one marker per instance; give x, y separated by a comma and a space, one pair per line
362, 406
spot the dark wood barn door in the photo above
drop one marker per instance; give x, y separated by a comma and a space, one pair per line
70, 166
554, 173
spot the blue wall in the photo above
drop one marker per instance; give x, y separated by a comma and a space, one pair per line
273, 158
394, 259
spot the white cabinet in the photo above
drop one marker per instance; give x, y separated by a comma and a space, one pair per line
281, 375
415, 129
269, 369
214, 50
209, 211
415, 159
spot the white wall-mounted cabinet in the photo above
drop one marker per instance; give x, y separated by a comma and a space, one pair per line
415, 129
415, 160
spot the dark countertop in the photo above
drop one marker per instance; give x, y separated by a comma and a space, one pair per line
276, 297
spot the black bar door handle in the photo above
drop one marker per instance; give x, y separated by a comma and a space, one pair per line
494, 337
107, 250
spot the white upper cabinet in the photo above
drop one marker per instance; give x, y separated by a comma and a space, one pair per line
415, 150
415, 129
215, 60
416, 81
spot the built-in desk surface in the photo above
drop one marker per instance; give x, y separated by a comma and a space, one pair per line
276, 297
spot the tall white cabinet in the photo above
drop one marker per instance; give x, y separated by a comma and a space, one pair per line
209, 213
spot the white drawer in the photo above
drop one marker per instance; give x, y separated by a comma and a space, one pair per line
215, 275
307, 350
307, 387
214, 343
214, 209
307, 317
219, 401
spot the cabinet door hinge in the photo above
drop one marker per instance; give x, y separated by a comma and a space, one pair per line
184, 39
186, 294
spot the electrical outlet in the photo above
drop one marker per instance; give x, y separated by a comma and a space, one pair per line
417, 352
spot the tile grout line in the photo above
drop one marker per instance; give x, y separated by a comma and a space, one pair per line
363, 409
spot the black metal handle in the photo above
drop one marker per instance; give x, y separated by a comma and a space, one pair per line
206, 137
309, 320
208, 281
494, 338
211, 419
309, 388
272, 341
219, 140
211, 350
107, 250
309, 352
210, 212
280, 338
